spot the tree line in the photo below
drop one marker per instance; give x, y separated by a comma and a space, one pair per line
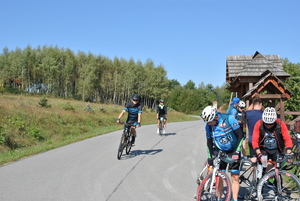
60, 72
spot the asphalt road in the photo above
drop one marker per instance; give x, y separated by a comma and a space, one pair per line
159, 168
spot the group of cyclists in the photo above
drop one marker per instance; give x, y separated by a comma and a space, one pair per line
134, 110
267, 135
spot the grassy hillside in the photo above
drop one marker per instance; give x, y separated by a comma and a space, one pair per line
33, 124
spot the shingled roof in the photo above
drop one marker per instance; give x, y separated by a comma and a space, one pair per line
267, 78
253, 65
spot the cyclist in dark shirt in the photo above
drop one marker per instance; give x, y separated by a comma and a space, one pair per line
134, 109
253, 114
161, 111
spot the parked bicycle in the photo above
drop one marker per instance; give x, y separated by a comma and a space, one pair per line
126, 138
250, 177
161, 125
216, 185
279, 184
296, 150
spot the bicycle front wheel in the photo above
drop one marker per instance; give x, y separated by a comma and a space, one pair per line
219, 189
121, 147
128, 143
161, 127
268, 189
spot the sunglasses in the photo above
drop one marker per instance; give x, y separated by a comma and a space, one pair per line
135, 100
269, 124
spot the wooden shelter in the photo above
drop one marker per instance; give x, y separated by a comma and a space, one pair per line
260, 76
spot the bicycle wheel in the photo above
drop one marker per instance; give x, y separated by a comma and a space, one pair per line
128, 142
160, 128
121, 146
205, 192
250, 182
267, 189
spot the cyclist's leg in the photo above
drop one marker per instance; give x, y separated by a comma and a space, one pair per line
235, 175
133, 132
223, 167
165, 122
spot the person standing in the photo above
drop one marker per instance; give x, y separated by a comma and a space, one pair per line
161, 111
253, 114
134, 109
271, 137
232, 110
223, 132
241, 117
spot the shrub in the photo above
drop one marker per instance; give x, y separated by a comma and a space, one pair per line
102, 109
44, 103
68, 106
88, 108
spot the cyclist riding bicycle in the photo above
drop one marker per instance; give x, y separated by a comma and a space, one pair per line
134, 109
271, 136
223, 132
161, 111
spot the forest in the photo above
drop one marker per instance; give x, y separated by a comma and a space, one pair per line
59, 72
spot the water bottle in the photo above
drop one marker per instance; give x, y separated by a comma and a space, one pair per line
259, 171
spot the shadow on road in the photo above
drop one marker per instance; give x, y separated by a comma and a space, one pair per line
135, 153
167, 134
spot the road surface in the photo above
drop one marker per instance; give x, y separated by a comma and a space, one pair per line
159, 168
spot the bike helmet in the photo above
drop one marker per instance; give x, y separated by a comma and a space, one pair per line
135, 97
161, 100
269, 115
209, 113
242, 104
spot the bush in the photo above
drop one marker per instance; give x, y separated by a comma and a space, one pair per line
44, 103
68, 106
102, 109
88, 108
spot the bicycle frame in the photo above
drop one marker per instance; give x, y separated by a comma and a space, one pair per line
125, 139
211, 182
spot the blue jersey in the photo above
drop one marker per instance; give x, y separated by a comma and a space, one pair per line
133, 111
232, 111
222, 133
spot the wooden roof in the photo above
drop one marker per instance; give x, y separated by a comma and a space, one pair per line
270, 83
253, 66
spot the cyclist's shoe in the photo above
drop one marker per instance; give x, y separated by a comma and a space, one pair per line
164, 131
157, 131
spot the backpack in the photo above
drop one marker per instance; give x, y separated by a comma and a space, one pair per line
278, 133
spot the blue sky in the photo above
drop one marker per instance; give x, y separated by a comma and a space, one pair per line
190, 38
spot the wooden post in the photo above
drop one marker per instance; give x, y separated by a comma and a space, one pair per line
282, 110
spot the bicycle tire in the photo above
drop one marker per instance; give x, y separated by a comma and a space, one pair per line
128, 143
248, 177
290, 187
160, 128
121, 147
204, 188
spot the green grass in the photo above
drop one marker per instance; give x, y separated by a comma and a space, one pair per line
34, 124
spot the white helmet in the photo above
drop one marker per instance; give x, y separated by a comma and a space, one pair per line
242, 104
269, 116
209, 113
